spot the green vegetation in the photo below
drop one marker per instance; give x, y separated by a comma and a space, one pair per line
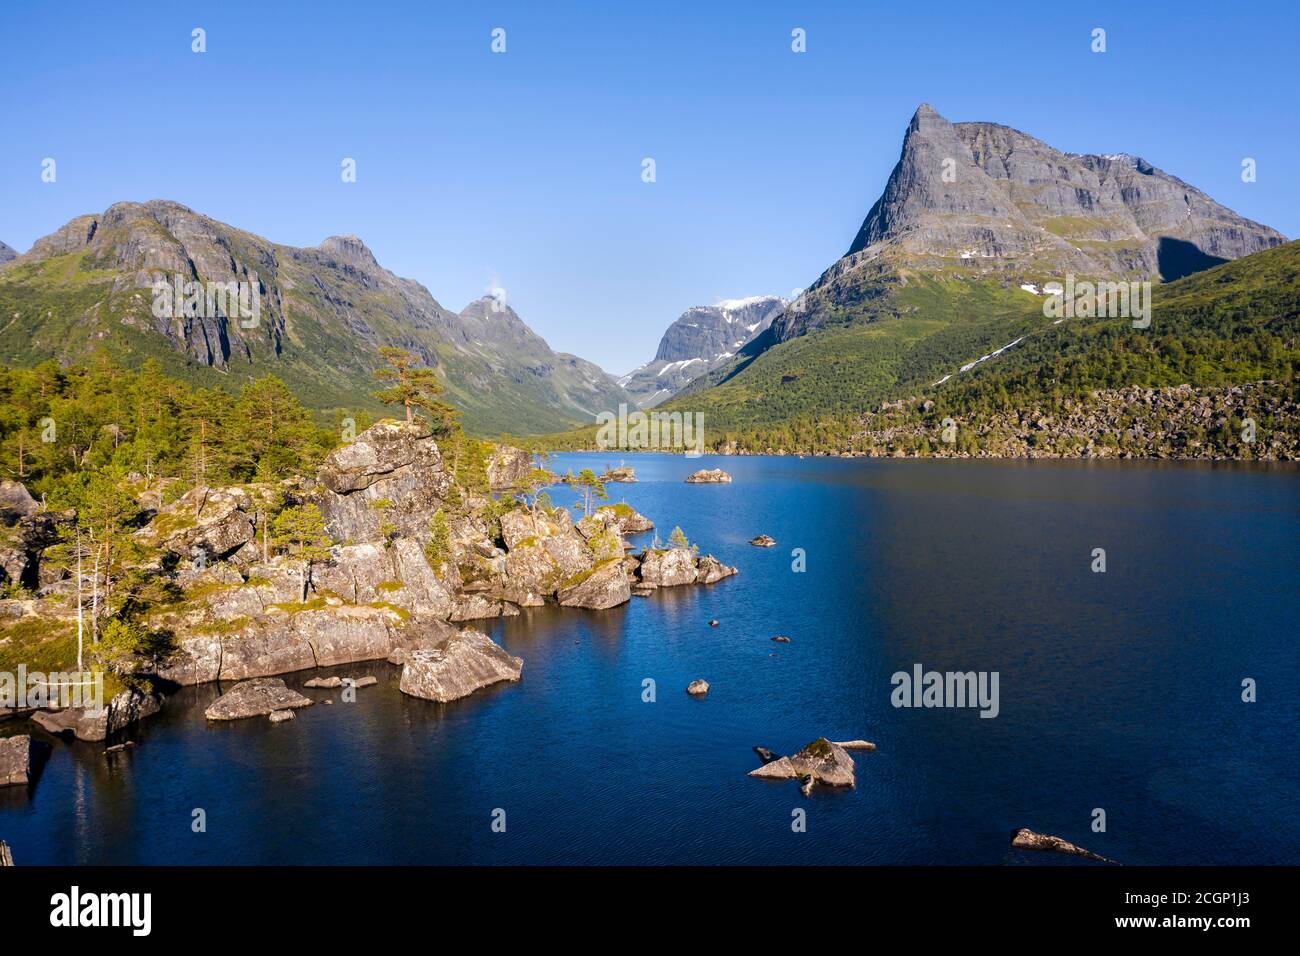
300, 530
413, 386
437, 550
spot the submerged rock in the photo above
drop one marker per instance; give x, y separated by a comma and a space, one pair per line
819, 762
255, 698
1026, 839
697, 688
457, 666
764, 754
708, 476
323, 682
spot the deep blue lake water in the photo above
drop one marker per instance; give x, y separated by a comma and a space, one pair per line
1118, 690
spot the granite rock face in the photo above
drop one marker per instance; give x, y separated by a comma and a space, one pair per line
456, 667
605, 586
255, 698
120, 712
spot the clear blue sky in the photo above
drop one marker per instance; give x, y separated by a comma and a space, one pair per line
524, 169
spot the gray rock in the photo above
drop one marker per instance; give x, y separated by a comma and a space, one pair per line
507, 467
709, 569
279, 716
1026, 839
255, 698
668, 567
456, 667
17, 760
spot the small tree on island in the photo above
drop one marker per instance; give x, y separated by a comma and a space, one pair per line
413, 386
678, 539
592, 489
300, 531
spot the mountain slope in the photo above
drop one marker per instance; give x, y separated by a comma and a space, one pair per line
6, 253
700, 339
972, 216
323, 312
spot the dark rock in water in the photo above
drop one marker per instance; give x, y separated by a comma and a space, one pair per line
713, 623
708, 476
819, 762
255, 698
763, 541
697, 688
456, 667
123, 710
1026, 839
764, 754
18, 759
781, 639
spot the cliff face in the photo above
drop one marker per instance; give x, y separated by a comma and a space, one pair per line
321, 314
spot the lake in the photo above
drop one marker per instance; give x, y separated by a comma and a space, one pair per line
1119, 691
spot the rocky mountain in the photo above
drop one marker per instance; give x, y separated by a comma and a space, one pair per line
321, 312
6, 253
702, 338
949, 266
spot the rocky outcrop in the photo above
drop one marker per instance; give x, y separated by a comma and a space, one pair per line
676, 566
214, 522
708, 476
622, 473
18, 758
821, 762
456, 666
1026, 839
25, 532
763, 541
255, 698
508, 467
697, 688
389, 476
603, 586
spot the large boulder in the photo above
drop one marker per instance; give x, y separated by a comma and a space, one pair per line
604, 586
255, 698
709, 569
212, 521
456, 666
16, 501
391, 474
668, 567
97, 724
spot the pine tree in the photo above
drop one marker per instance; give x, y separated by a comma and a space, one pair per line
300, 531
413, 386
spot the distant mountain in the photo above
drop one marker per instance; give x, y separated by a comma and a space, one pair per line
949, 264
323, 313
7, 253
702, 338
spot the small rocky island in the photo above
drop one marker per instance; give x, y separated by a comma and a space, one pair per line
763, 541
708, 476
821, 761
399, 544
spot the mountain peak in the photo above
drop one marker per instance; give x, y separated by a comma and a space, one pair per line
350, 249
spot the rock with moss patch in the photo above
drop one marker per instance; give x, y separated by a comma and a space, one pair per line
821, 761
603, 586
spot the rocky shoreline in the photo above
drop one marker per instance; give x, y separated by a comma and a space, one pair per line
416, 552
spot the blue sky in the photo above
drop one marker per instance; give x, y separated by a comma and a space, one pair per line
523, 169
